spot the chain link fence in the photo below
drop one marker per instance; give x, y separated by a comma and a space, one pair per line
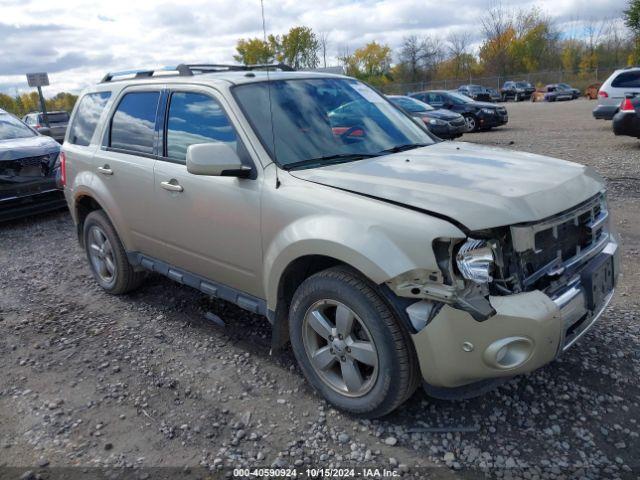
580, 79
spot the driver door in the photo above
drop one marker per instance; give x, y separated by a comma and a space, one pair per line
210, 224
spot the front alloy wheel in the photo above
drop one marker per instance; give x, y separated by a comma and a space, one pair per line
340, 347
350, 345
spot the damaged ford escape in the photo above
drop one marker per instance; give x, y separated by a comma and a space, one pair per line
387, 258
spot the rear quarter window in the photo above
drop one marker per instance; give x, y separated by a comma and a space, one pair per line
627, 80
86, 118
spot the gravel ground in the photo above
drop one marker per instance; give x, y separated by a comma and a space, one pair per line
144, 380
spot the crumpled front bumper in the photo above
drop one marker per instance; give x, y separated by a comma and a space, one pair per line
528, 331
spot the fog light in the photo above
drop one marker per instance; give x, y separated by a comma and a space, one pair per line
507, 353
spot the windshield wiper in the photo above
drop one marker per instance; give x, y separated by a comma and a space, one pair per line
402, 148
329, 160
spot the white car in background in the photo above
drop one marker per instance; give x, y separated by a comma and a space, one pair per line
613, 90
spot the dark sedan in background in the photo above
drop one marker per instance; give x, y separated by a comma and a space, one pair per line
627, 121
477, 115
29, 165
443, 123
517, 91
475, 92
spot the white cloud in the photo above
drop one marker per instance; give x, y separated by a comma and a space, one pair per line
77, 41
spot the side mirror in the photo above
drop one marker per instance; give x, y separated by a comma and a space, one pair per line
215, 159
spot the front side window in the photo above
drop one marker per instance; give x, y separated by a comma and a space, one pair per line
196, 118
323, 120
133, 123
12, 128
86, 118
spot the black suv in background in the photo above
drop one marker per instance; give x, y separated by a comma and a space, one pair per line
475, 92
58, 122
517, 91
477, 115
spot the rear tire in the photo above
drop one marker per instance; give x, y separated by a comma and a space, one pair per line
472, 123
368, 382
107, 258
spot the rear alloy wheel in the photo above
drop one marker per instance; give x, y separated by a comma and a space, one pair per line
107, 257
349, 344
472, 124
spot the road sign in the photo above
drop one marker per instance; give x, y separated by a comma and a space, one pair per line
37, 79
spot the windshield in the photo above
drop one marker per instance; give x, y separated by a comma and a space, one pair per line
475, 88
325, 119
11, 128
411, 104
523, 85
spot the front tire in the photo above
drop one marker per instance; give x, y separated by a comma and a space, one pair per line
107, 258
349, 344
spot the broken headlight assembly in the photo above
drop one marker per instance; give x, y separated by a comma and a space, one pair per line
475, 260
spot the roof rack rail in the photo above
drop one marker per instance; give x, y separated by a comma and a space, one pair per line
187, 70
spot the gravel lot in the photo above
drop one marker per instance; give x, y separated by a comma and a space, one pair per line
145, 380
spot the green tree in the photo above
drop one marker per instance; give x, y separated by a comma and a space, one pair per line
371, 63
7, 103
632, 21
299, 48
253, 51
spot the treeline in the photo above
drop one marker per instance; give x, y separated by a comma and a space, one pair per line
514, 41
20, 105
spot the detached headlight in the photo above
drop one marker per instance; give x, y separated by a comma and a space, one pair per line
488, 111
475, 261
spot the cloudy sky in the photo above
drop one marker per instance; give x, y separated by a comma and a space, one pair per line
77, 41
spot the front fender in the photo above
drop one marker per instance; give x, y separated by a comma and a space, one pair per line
363, 246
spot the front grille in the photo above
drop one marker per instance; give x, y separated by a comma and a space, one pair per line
562, 242
26, 166
501, 110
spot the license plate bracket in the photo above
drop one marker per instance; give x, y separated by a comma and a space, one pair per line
597, 280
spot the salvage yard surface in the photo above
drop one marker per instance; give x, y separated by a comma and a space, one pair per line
145, 380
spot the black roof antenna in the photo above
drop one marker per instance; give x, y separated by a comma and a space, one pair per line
273, 134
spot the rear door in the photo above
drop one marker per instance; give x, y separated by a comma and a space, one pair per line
124, 166
211, 227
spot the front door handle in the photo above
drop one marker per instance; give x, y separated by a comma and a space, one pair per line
105, 170
172, 187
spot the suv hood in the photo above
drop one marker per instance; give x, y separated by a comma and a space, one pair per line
476, 186
27, 147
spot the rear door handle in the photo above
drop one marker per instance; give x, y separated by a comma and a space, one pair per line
105, 170
172, 187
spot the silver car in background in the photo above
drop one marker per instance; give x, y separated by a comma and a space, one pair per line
613, 90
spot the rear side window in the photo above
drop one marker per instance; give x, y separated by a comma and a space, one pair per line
196, 118
133, 123
627, 80
86, 118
